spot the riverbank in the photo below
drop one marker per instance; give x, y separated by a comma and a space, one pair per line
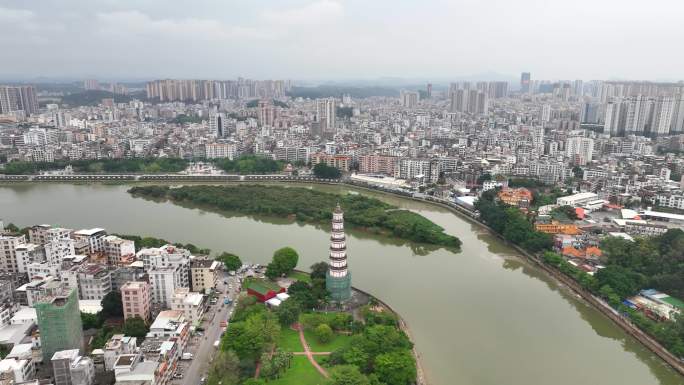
568, 282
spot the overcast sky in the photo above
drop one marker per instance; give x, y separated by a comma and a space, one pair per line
342, 39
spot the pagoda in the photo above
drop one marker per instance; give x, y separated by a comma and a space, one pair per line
338, 279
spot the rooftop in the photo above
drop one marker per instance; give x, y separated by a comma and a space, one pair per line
90, 232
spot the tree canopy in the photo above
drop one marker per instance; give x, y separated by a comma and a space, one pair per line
112, 307
231, 261
284, 261
250, 164
307, 205
322, 170
135, 327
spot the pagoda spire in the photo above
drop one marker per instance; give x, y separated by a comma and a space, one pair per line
338, 279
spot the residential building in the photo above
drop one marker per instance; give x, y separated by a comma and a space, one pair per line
8, 253
192, 304
325, 115
204, 274
59, 321
117, 249
91, 240
94, 281
70, 368
342, 162
136, 298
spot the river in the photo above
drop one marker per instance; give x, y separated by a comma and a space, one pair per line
478, 316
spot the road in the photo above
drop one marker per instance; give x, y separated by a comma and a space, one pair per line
203, 347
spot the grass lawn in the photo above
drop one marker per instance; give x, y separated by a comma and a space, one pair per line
300, 373
338, 341
300, 276
289, 340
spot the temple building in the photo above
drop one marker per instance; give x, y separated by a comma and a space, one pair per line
338, 279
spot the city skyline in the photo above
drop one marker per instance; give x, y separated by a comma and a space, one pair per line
352, 40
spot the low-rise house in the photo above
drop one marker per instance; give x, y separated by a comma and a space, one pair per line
116, 346
70, 368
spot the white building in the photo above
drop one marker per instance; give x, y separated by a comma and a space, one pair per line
168, 268
115, 248
579, 149
70, 368
221, 150
577, 199
325, 114
190, 303
8, 246
94, 281
92, 239
26, 253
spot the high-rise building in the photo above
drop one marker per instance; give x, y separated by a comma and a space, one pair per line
59, 320
265, 113
546, 113
338, 278
217, 121
613, 119
525, 79
428, 90
663, 109
409, 99
497, 90
579, 149
325, 114
18, 98
91, 84
459, 100
678, 115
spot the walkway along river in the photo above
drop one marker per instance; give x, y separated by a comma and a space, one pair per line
480, 316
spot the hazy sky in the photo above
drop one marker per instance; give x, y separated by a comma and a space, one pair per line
342, 39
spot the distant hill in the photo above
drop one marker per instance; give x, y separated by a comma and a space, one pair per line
93, 98
325, 91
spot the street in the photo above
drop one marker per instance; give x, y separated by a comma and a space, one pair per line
202, 347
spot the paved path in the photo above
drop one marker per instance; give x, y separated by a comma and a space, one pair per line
309, 354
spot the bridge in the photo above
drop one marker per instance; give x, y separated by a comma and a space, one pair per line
162, 177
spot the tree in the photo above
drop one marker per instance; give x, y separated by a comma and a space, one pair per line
288, 312
135, 327
578, 172
249, 338
112, 307
284, 261
347, 375
623, 281
322, 170
225, 368
319, 270
300, 291
324, 333
231, 261
91, 321
396, 368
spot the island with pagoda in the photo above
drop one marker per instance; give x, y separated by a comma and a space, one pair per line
293, 327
